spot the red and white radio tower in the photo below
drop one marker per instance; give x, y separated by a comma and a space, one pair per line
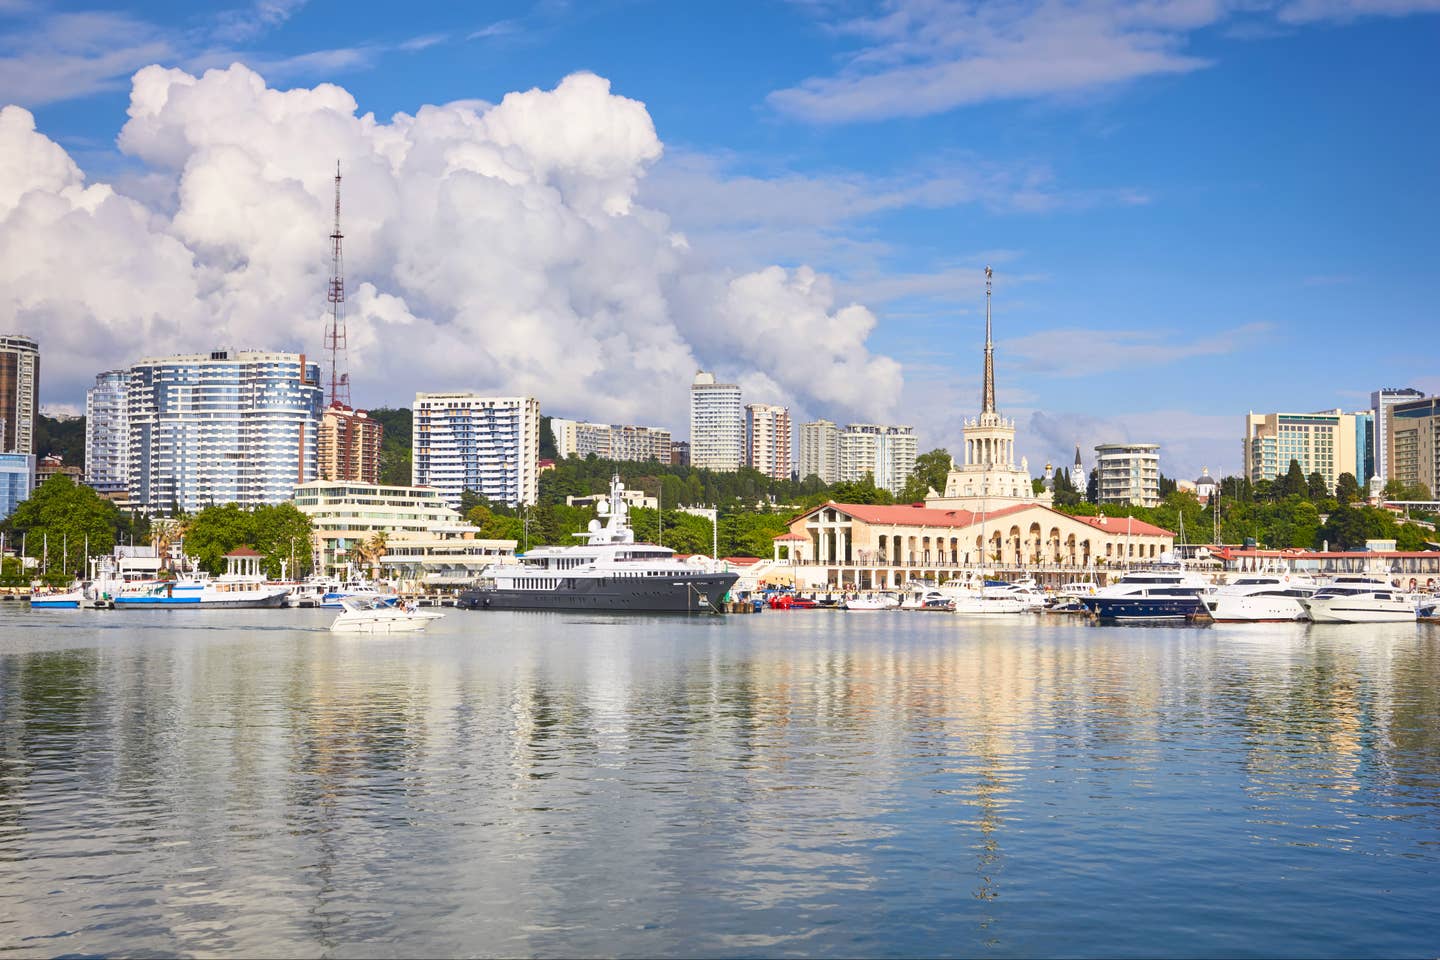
335, 335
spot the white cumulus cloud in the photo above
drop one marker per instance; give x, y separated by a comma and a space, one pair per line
498, 247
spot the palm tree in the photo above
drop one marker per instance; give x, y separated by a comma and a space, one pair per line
164, 534
367, 553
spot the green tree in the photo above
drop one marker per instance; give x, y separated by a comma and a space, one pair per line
1400, 490
1293, 483
278, 533
1316, 490
61, 438
395, 444
58, 521
931, 471
1066, 495
860, 491
1347, 488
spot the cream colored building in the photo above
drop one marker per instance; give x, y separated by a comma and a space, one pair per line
876, 547
820, 450
1323, 442
885, 452
1128, 473
1413, 441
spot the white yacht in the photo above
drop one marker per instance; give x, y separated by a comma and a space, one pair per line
1028, 592
993, 598
1360, 600
371, 615
611, 572
1261, 598
1161, 594
873, 601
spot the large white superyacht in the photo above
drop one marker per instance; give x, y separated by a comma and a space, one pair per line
610, 572
1261, 598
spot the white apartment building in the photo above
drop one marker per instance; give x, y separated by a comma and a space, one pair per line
221, 428
820, 451
768, 439
1380, 403
465, 441
886, 452
107, 433
1128, 473
1327, 441
610, 441
717, 424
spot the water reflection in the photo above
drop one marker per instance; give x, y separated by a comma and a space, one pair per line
821, 783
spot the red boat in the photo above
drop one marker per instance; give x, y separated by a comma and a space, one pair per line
788, 601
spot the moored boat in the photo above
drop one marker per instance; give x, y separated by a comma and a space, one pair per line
1261, 598
1360, 600
1163, 594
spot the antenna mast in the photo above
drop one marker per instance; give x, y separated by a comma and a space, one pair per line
335, 334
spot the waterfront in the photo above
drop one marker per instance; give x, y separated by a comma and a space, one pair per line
811, 783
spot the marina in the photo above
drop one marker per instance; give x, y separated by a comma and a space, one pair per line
531, 783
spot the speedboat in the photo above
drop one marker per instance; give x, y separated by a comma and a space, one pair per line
58, 600
1163, 594
1261, 598
992, 598
875, 601
1360, 600
371, 615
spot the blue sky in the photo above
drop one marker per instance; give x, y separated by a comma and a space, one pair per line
1194, 209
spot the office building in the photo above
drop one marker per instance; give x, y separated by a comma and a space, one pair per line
1323, 442
349, 447
1380, 403
1128, 473
820, 451
1414, 437
610, 441
224, 427
107, 433
489, 445
347, 514
717, 424
17, 474
19, 392
885, 452
768, 439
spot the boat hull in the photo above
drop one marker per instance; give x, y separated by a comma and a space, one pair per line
412, 623
195, 603
1346, 611
1255, 609
57, 602
1146, 608
697, 594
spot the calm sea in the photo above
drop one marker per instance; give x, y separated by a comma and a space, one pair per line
789, 784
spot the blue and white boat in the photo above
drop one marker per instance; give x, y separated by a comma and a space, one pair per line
241, 586
58, 600
1163, 594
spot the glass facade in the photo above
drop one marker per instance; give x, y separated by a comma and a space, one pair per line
17, 474
489, 445
223, 428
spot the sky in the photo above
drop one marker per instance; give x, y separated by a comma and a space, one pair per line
1194, 209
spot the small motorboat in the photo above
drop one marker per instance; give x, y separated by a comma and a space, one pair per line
374, 615
58, 600
875, 601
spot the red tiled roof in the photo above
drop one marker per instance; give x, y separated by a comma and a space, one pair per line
742, 561
244, 552
905, 514
1125, 525
791, 536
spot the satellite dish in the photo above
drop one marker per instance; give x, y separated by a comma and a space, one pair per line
594, 526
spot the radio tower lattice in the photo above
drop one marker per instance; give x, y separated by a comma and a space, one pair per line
335, 334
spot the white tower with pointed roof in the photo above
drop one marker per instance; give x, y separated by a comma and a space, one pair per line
988, 478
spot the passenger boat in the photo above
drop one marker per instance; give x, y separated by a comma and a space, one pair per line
1360, 600
58, 599
875, 601
1162, 594
610, 572
371, 615
241, 586
1261, 598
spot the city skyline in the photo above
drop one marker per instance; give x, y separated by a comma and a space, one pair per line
1208, 221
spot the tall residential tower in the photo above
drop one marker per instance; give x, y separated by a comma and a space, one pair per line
717, 424
488, 445
19, 392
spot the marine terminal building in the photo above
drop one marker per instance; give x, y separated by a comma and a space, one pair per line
987, 517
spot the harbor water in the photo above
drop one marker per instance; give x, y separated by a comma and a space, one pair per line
806, 783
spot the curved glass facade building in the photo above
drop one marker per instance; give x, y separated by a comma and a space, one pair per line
227, 427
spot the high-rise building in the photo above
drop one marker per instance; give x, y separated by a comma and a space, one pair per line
19, 392
885, 452
1414, 438
17, 474
1128, 473
489, 445
820, 451
1323, 442
717, 424
679, 453
610, 441
107, 433
768, 439
349, 447
224, 427
1380, 403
